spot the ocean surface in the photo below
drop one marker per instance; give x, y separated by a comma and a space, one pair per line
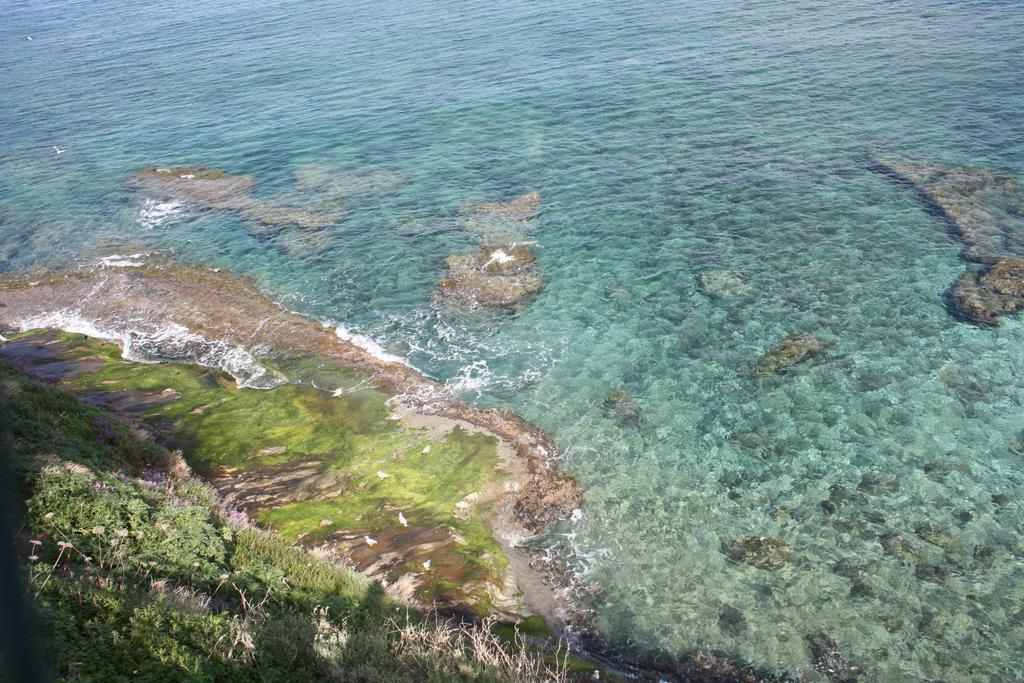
668, 139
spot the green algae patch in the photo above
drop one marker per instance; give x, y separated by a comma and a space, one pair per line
327, 468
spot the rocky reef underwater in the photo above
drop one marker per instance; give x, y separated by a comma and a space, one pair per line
984, 209
502, 272
361, 458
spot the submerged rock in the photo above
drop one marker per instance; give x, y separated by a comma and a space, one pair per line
982, 208
721, 284
827, 658
796, 348
501, 273
621, 407
215, 189
978, 203
731, 621
520, 207
984, 556
1000, 290
873, 485
900, 547
860, 589
494, 277
326, 181
936, 536
763, 552
932, 572
473, 289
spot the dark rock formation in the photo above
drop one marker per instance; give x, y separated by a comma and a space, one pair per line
873, 485
828, 659
731, 621
935, 535
763, 552
984, 298
900, 547
932, 572
796, 348
982, 208
621, 407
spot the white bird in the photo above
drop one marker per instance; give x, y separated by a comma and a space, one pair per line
28, 38
402, 519
370, 542
57, 149
382, 475
426, 449
426, 565
338, 392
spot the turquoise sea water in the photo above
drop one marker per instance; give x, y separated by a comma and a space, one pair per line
667, 139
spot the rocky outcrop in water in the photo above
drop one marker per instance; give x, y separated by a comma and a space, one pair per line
796, 348
495, 277
999, 290
731, 621
721, 284
520, 207
214, 189
502, 273
985, 210
902, 548
827, 658
621, 407
983, 207
763, 552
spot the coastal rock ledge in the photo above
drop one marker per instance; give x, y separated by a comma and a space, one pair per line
228, 322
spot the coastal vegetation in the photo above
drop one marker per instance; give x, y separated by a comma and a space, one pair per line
327, 469
136, 571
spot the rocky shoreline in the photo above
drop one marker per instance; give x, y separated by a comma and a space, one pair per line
137, 304
134, 302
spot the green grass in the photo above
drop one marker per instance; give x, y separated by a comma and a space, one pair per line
136, 574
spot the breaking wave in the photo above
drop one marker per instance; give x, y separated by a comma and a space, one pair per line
172, 343
154, 213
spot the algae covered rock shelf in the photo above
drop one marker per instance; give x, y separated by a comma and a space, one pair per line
331, 470
135, 571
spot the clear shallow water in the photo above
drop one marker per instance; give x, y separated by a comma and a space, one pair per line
667, 140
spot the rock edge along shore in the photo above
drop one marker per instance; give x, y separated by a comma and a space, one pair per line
121, 301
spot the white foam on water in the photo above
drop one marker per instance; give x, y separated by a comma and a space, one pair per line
119, 261
500, 257
170, 343
154, 213
69, 322
176, 343
369, 345
472, 378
